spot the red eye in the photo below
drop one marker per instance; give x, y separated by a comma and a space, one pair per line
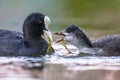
40, 22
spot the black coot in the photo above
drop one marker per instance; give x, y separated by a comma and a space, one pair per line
28, 43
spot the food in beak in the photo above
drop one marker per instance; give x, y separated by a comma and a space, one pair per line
63, 42
50, 42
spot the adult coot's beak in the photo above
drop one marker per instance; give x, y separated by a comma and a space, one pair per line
48, 34
47, 29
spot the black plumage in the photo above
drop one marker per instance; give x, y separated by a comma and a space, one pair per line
110, 44
28, 43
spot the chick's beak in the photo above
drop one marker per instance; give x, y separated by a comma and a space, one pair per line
59, 33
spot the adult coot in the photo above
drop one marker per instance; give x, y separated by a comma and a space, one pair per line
28, 43
107, 45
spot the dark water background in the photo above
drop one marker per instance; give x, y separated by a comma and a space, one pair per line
97, 17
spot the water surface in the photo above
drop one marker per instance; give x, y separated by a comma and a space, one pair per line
60, 66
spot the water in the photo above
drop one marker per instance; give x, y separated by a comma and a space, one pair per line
97, 17
60, 66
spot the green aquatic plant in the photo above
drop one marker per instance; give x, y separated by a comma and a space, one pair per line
50, 42
63, 42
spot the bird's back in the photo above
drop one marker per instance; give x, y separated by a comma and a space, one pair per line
10, 42
110, 44
100, 43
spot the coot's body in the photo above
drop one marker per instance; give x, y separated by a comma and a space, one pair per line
28, 43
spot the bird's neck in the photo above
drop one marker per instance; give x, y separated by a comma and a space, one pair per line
31, 38
35, 43
82, 44
30, 33
82, 41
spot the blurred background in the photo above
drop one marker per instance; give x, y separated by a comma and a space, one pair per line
96, 17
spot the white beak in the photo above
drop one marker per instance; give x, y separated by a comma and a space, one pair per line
47, 23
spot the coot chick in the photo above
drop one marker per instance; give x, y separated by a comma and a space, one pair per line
106, 46
28, 43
